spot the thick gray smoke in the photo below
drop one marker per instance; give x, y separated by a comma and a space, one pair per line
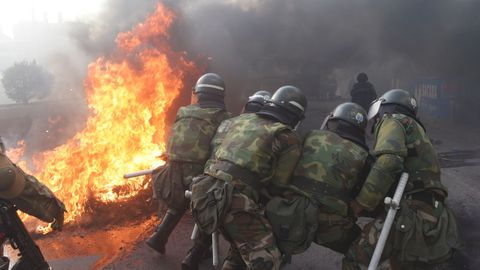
97, 37
263, 44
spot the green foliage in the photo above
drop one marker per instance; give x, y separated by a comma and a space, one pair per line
26, 80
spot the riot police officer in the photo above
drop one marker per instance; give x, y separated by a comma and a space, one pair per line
259, 151
198, 251
424, 232
187, 151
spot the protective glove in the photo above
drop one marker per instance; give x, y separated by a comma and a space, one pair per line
57, 224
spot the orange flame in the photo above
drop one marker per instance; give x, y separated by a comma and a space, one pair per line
129, 95
16, 154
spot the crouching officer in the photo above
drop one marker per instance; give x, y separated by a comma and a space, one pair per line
19, 190
187, 151
202, 242
334, 164
424, 232
259, 150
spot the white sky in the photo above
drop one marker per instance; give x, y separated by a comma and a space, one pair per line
14, 11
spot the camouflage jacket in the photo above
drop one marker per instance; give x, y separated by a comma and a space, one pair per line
27, 193
218, 138
401, 145
192, 132
267, 149
329, 170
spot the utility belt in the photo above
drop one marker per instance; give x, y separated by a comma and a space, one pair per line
179, 160
238, 173
319, 189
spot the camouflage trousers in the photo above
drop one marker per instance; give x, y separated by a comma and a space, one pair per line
422, 236
250, 236
336, 232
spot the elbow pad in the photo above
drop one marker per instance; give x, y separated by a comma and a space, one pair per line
383, 175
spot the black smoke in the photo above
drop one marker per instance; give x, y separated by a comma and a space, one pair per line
318, 45
263, 44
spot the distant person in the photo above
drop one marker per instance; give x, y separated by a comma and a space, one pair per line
363, 92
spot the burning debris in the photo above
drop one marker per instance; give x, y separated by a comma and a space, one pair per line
129, 95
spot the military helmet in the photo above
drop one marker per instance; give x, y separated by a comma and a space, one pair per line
290, 98
210, 83
349, 112
394, 97
256, 101
12, 179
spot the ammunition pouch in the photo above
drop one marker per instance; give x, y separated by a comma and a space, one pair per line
210, 201
422, 235
294, 223
168, 186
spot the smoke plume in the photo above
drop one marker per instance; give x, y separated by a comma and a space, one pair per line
264, 44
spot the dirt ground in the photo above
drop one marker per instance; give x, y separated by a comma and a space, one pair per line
121, 246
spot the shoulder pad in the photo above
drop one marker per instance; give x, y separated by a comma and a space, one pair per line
390, 137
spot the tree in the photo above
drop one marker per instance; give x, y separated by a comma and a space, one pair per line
26, 80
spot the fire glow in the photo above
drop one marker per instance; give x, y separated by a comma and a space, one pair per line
128, 96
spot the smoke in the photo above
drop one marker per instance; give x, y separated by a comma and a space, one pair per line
97, 36
264, 44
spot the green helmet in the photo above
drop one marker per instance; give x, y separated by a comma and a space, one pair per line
210, 83
256, 101
349, 112
394, 97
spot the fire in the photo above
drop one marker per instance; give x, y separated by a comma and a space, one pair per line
128, 95
15, 154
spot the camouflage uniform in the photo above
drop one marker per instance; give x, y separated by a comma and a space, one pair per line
29, 195
329, 172
187, 151
424, 232
255, 153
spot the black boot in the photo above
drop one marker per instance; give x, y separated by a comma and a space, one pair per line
159, 238
194, 256
199, 252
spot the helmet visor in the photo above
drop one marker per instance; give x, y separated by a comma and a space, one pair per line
324, 124
374, 108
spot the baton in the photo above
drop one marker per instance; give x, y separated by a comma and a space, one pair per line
393, 205
141, 173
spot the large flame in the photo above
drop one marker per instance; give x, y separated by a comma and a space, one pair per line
128, 94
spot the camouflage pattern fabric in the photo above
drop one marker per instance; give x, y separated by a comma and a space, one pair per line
266, 148
188, 149
218, 138
192, 133
38, 200
422, 237
425, 232
328, 171
233, 260
333, 165
170, 183
269, 150
246, 228
336, 232
401, 145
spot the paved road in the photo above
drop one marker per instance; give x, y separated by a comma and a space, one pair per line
464, 198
